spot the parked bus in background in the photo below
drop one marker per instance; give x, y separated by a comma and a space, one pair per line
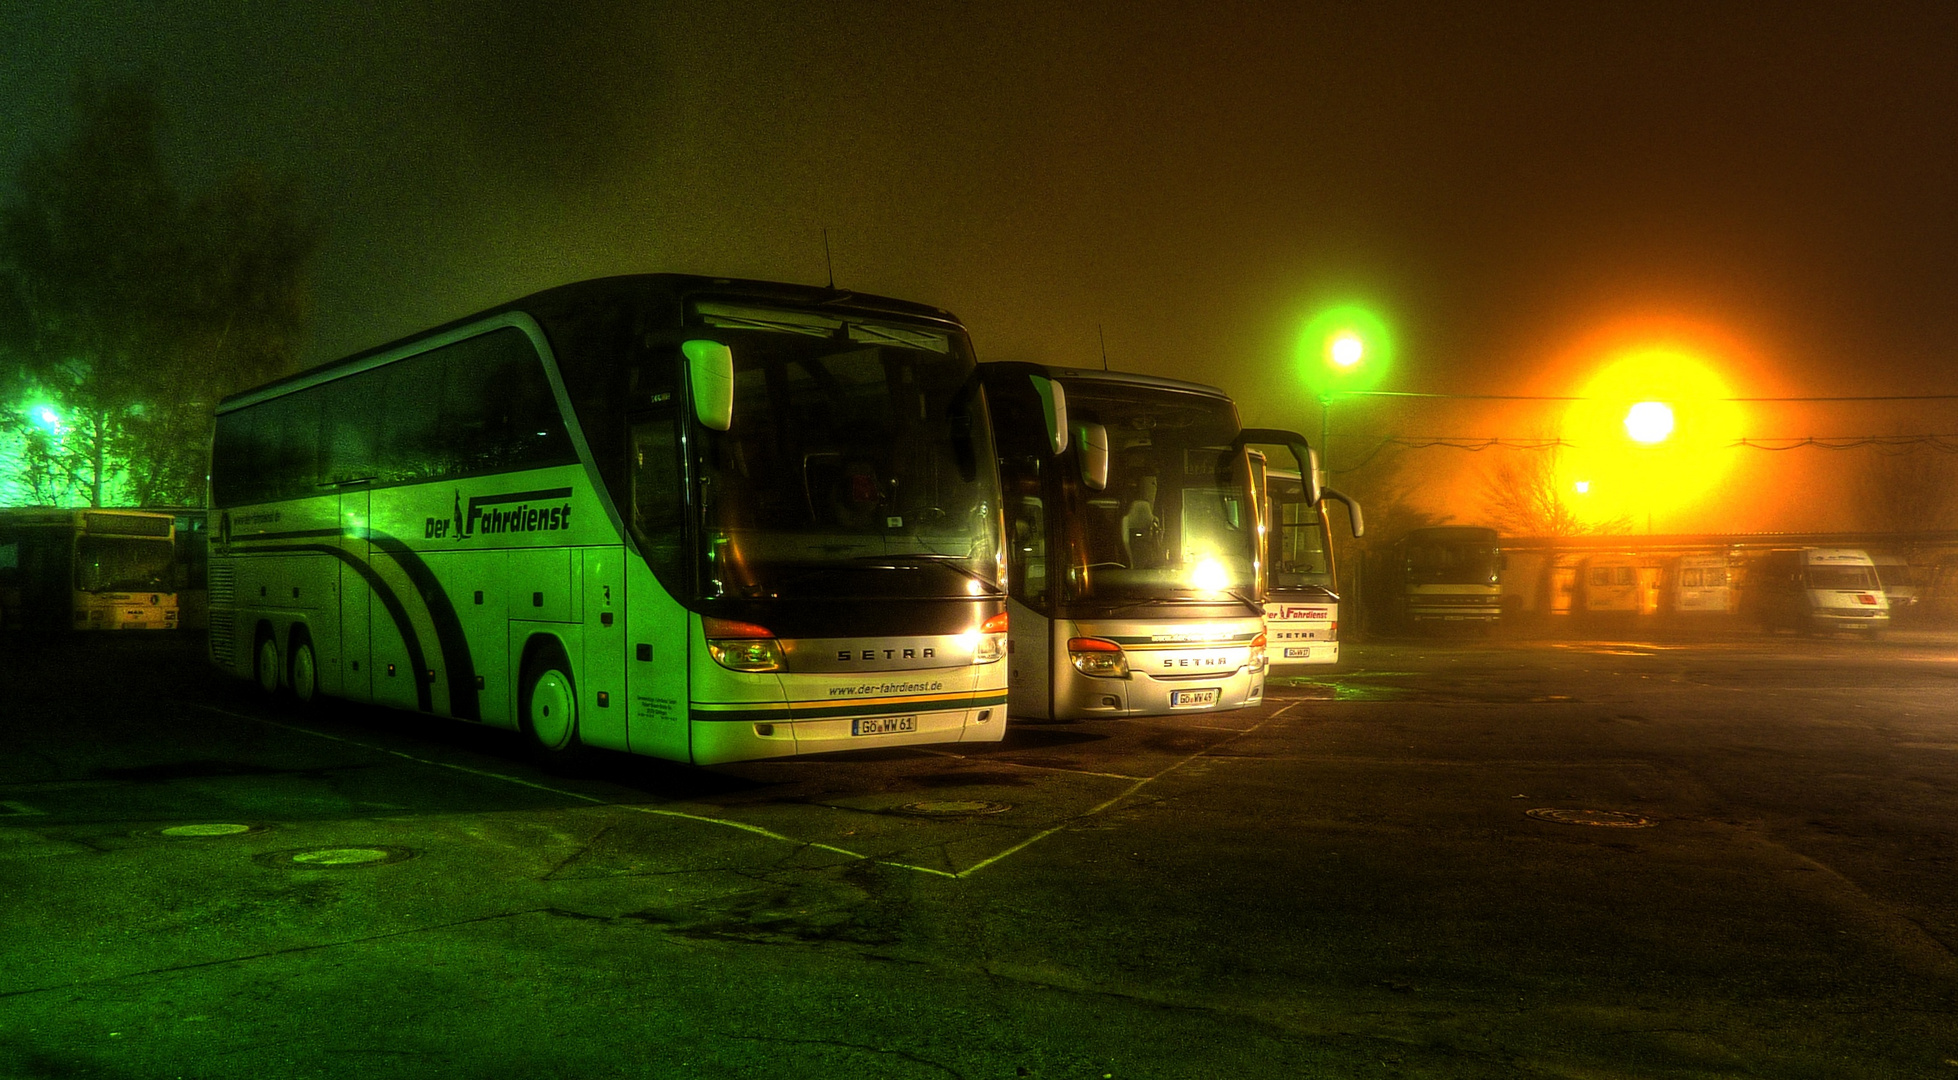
1450, 575
1302, 600
1816, 590
92, 569
699, 519
192, 563
1134, 554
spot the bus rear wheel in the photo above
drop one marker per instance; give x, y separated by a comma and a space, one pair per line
550, 709
265, 665
304, 670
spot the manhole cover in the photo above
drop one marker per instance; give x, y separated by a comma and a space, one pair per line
953, 808
333, 857
1610, 819
181, 832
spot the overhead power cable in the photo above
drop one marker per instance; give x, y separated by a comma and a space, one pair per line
1620, 397
1942, 443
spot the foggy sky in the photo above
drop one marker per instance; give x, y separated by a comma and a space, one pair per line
1176, 187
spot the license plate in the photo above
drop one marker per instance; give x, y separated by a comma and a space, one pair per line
1187, 699
1299, 653
883, 725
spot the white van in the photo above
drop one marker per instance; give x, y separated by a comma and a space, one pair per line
1700, 585
1818, 589
1899, 583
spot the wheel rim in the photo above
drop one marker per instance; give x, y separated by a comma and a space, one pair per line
553, 710
268, 666
305, 675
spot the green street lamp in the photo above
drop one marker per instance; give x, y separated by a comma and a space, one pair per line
1342, 350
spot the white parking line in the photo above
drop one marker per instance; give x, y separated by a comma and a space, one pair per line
757, 830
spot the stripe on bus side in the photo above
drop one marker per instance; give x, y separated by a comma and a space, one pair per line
458, 665
397, 612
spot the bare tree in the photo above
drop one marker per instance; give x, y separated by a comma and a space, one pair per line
1522, 492
131, 309
1910, 490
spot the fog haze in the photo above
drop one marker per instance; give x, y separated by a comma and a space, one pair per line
1174, 190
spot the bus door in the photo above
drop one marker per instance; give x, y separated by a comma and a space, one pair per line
656, 636
602, 712
353, 676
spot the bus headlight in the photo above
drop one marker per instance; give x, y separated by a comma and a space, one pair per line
1098, 657
1209, 575
740, 646
991, 646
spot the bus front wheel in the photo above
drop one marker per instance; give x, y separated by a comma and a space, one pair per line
550, 708
266, 664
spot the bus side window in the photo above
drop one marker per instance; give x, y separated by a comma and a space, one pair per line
497, 408
253, 438
296, 421
411, 444
351, 430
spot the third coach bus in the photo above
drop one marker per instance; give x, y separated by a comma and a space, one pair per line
700, 519
1302, 601
1135, 558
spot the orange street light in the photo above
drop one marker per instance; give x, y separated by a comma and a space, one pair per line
1649, 422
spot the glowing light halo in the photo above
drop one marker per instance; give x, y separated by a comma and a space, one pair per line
1343, 349
1651, 435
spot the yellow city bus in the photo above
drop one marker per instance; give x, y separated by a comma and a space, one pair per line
87, 569
693, 518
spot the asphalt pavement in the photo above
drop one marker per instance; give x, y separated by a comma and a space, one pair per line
1630, 857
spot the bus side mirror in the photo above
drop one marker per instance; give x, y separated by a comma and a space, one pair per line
1307, 458
710, 371
1091, 443
1053, 408
1353, 517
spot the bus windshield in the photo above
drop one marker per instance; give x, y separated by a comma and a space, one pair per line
122, 563
1300, 558
1452, 563
1843, 577
857, 464
1174, 521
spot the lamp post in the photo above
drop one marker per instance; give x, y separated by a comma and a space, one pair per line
1342, 349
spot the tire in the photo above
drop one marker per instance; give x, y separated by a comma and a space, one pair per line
304, 671
549, 702
265, 664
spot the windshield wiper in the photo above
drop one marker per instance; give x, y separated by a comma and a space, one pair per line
909, 560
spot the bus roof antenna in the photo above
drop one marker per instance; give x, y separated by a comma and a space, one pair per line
827, 264
1104, 346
